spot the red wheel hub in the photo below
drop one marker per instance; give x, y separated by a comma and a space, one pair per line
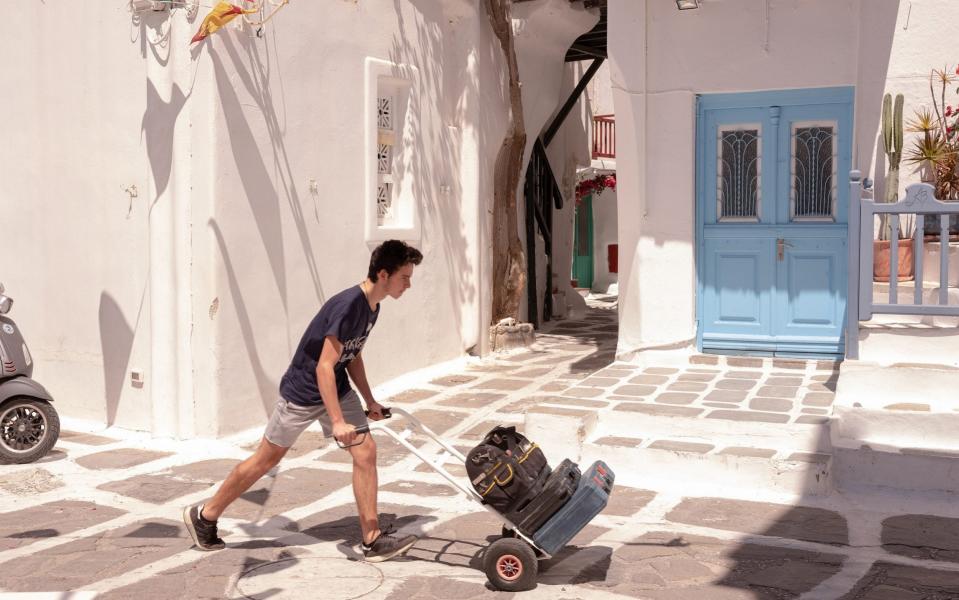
509, 567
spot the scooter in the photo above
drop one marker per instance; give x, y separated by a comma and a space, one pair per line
29, 426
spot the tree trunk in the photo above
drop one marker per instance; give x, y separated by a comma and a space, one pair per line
509, 260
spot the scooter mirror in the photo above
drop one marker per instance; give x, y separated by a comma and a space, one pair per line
5, 304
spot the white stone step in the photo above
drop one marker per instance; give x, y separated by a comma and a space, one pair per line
899, 406
783, 437
913, 470
703, 469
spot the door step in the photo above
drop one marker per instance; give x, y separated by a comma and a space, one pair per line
702, 468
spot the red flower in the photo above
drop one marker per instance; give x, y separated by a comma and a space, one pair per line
948, 110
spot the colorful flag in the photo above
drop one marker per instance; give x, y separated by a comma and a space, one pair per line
222, 13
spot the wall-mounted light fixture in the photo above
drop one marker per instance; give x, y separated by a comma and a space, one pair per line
687, 4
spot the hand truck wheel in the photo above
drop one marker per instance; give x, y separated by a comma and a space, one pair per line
510, 565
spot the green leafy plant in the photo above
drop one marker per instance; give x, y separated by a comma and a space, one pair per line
937, 147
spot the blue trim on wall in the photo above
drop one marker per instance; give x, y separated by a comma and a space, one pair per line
700, 191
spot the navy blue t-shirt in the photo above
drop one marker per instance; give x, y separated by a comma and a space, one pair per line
347, 316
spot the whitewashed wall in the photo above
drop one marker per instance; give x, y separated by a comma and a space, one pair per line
206, 279
248, 158
736, 46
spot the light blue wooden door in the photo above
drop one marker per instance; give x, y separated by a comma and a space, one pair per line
771, 221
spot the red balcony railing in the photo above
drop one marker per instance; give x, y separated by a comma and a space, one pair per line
604, 136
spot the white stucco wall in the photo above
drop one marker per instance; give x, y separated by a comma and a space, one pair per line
733, 46
207, 278
600, 92
605, 233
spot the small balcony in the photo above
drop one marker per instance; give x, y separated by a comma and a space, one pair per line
604, 136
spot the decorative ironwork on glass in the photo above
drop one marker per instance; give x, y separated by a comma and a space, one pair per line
813, 171
384, 203
384, 159
384, 112
738, 174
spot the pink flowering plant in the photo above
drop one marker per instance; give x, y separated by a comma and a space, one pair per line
595, 185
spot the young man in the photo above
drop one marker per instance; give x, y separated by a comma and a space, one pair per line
315, 388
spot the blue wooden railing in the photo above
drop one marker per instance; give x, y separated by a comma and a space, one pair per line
920, 201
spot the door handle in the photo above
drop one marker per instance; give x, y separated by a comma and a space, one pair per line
781, 248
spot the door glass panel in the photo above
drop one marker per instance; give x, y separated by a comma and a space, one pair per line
813, 178
738, 172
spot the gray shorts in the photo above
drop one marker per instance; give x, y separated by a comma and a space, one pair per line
289, 419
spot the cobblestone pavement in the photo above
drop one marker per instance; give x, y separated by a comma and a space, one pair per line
102, 512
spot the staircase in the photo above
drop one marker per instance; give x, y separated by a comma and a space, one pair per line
781, 428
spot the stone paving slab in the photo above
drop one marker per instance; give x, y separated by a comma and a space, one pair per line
155, 489
888, 581
749, 416
675, 446
439, 421
307, 442
88, 439
159, 488
121, 458
922, 536
660, 410
78, 563
761, 518
453, 380
54, 519
626, 501
668, 566
208, 576
501, 383
753, 452
471, 400
341, 524
409, 396
289, 489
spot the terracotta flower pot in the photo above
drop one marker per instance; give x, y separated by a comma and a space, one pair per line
880, 261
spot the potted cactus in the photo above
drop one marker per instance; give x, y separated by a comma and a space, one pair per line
892, 144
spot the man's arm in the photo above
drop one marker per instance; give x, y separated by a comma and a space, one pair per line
326, 382
357, 372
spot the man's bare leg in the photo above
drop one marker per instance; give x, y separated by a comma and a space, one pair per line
365, 483
242, 477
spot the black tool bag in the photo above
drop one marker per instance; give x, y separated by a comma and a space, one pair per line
507, 470
556, 492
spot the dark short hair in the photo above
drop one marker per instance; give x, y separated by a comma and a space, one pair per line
391, 255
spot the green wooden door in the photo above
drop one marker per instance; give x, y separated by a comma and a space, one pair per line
583, 243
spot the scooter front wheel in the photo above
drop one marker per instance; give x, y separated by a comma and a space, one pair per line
28, 430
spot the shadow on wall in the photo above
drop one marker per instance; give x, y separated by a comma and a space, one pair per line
159, 121
116, 345
262, 193
265, 385
442, 58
